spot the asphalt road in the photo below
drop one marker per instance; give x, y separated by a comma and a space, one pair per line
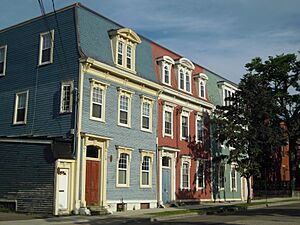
274, 215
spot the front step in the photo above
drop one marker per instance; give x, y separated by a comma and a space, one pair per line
98, 211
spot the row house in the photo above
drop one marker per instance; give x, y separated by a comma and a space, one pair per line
98, 117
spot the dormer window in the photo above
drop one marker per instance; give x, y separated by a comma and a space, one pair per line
228, 90
124, 42
184, 68
165, 64
202, 78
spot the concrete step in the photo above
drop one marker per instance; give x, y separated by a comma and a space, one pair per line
98, 210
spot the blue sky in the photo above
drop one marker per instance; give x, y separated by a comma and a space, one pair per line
222, 35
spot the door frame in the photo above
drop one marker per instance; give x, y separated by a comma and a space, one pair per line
172, 154
70, 165
102, 143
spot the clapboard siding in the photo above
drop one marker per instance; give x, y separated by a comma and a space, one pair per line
27, 175
43, 82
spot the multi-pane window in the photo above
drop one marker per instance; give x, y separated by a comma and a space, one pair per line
181, 79
227, 94
233, 178
202, 89
187, 82
146, 115
201, 175
200, 133
221, 176
21, 108
122, 169
166, 75
185, 175
146, 170
184, 127
66, 97
124, 102
168, 122
120, 53
3, 50
46, 48
97, 101
129, 57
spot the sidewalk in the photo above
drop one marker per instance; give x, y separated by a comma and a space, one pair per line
23, 219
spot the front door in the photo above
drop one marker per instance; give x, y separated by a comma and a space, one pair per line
92, 189
63, 183
166, 180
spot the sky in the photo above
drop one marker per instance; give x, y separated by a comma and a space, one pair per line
221, 35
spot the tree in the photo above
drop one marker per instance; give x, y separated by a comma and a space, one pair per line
250, 125
281, 75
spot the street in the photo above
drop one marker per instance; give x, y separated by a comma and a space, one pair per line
274, 215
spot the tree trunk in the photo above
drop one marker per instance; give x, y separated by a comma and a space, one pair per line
248, 190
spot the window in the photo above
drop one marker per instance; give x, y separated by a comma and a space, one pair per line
166, 75
228, 90
66, 97
146, 113
146, 168
181, 86
166, 161
3, 50
199, 130
97, 107
185, 172
168, 120
124, 115
165, 64
129, 56
221, 176
123, 166
233, 181
120, 53
124, 42
184, 68
92, 152
184, 120
202, 78
201, 175
188, 82
46, 48
21, 105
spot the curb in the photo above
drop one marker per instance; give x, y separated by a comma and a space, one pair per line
164, 218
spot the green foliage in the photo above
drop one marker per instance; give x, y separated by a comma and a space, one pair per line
264, 113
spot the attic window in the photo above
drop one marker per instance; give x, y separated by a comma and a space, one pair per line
124, 42
184, 73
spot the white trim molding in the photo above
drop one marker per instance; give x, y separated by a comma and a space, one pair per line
4, 47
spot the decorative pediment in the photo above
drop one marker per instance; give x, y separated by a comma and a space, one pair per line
184, 62
126, 33
166, 59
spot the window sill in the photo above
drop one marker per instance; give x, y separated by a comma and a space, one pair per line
124, 125
19, 123
125, 68
167, 84
44, 64
97, 119
185, 189
146, 130
2, 75
146, 186
122, 186
221, 189
65, 113
168, 135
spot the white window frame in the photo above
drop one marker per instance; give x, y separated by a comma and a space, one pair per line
165, 61
66, 83
150, 101
185, 160
120, 53
103, 86
129, 38
15, 122
200, 162
51, 47
4, 59
185, 113
150, 154
233, 167
186, 67
226, 87
222, 164
168, 108
128, 94
128, 151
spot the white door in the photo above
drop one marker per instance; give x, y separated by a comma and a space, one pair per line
63, 182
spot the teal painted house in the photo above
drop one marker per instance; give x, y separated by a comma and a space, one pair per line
227, 185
